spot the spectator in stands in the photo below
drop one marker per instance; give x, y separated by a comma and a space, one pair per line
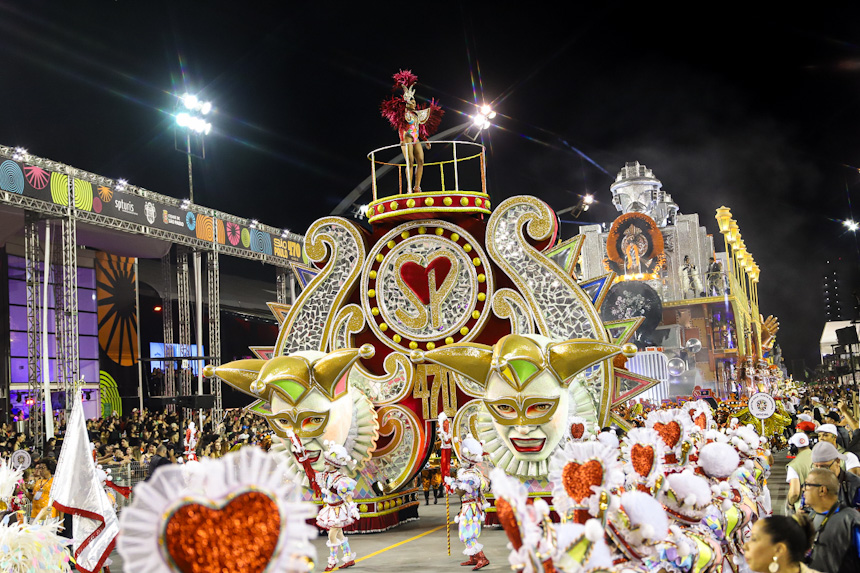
795, 472
829, 433
159, 459
842, 437
40, 493
826, 456
835, 549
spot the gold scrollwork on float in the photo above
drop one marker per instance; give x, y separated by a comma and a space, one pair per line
443, 385
388, 388
507, 303
466, 421
349, 321
311, 319
402, 439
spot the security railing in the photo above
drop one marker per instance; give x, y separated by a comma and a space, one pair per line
463, 153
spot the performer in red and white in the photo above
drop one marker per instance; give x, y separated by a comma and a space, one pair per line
340, 510
446, 437
414, 124
190, 442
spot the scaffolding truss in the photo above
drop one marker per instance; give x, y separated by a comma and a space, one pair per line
282, 285
33, 258
64, 246
65, 280
169, 377
184, 301
214, 282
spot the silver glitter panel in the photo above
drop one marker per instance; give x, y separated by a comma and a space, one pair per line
308, 325
559, 309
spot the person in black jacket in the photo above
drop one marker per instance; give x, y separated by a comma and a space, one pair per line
159, 459
835, 549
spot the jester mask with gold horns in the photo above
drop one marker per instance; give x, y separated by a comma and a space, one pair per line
526, 381
307, 392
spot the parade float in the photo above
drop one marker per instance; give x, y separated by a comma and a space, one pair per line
455, 316
366, 357
702, 331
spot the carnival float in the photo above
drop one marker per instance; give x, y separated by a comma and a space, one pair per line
455, 316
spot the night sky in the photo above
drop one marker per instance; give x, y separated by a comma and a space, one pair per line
755, 110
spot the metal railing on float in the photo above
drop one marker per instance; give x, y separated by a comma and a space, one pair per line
462, 152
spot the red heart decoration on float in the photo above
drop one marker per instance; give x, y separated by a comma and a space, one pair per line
670, 433
417, 277
199, 538
642, 458
577, 430
578, 478
701, 420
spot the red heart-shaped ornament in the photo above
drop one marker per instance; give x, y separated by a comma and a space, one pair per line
642, 458
670, 433
417, 277
701, 420
577, 430
578, 478
200, 538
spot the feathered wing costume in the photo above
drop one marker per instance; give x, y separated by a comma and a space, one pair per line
421, 122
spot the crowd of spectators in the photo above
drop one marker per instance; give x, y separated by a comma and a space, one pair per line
823, 474
139, 438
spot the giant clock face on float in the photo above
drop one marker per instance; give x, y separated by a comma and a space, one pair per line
426, 284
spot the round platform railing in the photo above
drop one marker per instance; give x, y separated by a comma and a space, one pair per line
463, 153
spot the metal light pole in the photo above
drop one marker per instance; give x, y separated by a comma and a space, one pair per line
191, 117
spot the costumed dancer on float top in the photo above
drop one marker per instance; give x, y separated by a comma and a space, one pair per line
340, 510
414, 124
470, 485
190, 442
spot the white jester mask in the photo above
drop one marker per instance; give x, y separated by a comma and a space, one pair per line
306, 393
526, 382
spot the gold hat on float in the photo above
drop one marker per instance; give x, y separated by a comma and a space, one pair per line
519, 359
291, 377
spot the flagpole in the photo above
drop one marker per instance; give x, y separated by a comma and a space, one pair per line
46, 372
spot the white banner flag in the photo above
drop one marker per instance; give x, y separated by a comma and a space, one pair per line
78, 490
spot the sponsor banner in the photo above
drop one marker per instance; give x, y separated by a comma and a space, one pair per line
39, 183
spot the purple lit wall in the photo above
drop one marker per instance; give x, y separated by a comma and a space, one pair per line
87, 321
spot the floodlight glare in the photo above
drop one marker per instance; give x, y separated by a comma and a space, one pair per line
588, 199
206, 107
190, 101
183, 119
121, 184
485, 109
851, 225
